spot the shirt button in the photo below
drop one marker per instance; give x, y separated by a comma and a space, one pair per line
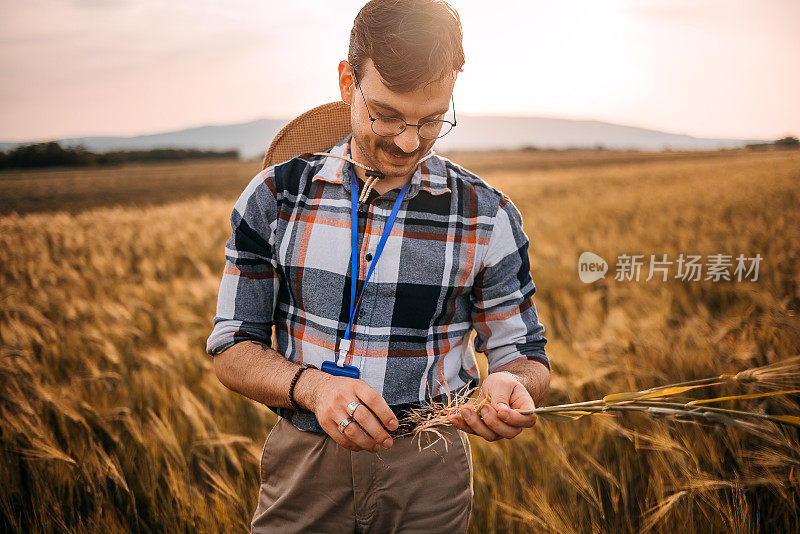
369, 256
361, 313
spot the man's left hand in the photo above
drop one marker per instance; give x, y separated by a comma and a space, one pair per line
498, 417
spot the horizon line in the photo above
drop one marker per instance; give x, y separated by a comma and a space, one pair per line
522, 115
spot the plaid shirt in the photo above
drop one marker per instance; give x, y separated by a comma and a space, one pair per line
456, 259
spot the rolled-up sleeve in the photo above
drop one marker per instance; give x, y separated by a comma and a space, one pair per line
250, 282
503, 314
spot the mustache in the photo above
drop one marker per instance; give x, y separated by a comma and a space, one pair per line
395, 150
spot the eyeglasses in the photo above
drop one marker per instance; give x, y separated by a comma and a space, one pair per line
392, 126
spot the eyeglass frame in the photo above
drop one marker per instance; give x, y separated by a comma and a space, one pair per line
407, 124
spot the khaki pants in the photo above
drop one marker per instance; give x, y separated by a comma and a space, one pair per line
311, 484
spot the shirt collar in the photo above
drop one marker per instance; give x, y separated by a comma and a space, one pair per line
430, 175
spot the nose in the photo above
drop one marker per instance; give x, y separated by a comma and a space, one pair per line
408, 140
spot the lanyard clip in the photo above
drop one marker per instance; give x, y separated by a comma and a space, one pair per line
344, 348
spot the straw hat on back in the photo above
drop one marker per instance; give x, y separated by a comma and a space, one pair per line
315, 130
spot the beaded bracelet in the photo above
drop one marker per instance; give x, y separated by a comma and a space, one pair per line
302, 368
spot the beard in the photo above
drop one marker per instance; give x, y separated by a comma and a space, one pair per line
378, 151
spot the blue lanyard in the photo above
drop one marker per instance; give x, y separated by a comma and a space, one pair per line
344, 345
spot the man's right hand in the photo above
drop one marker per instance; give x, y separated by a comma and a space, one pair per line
328, 396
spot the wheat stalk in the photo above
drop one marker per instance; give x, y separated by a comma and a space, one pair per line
784, 374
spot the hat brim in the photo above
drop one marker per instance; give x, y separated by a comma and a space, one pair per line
316, 130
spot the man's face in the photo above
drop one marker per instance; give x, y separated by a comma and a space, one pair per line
395, 157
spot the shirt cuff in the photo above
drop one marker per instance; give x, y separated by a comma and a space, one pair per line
531, 351
228, 333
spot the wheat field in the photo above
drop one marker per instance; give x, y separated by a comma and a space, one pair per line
113, 420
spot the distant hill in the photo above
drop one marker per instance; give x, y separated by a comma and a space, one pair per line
474, 132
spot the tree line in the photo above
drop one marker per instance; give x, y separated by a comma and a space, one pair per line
51, 154
789, 142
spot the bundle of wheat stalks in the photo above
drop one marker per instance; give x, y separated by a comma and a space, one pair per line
780, 378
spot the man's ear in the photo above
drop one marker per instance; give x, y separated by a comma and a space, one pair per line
346, 81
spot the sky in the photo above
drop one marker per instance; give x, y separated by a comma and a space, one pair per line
708, 68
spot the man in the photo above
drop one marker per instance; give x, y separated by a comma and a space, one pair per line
441, 252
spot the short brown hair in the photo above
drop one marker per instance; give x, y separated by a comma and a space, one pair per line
411, 42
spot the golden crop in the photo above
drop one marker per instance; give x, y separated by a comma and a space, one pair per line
112, 418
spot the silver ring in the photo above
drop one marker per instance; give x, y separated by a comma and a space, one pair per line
351, 408
343, 424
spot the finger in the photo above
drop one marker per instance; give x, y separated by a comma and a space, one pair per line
357, 435
502, 390
478, 427
373, 427
491, 420
514, 418
458, 422
330, 417
521, 399
375, 402
333, 431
